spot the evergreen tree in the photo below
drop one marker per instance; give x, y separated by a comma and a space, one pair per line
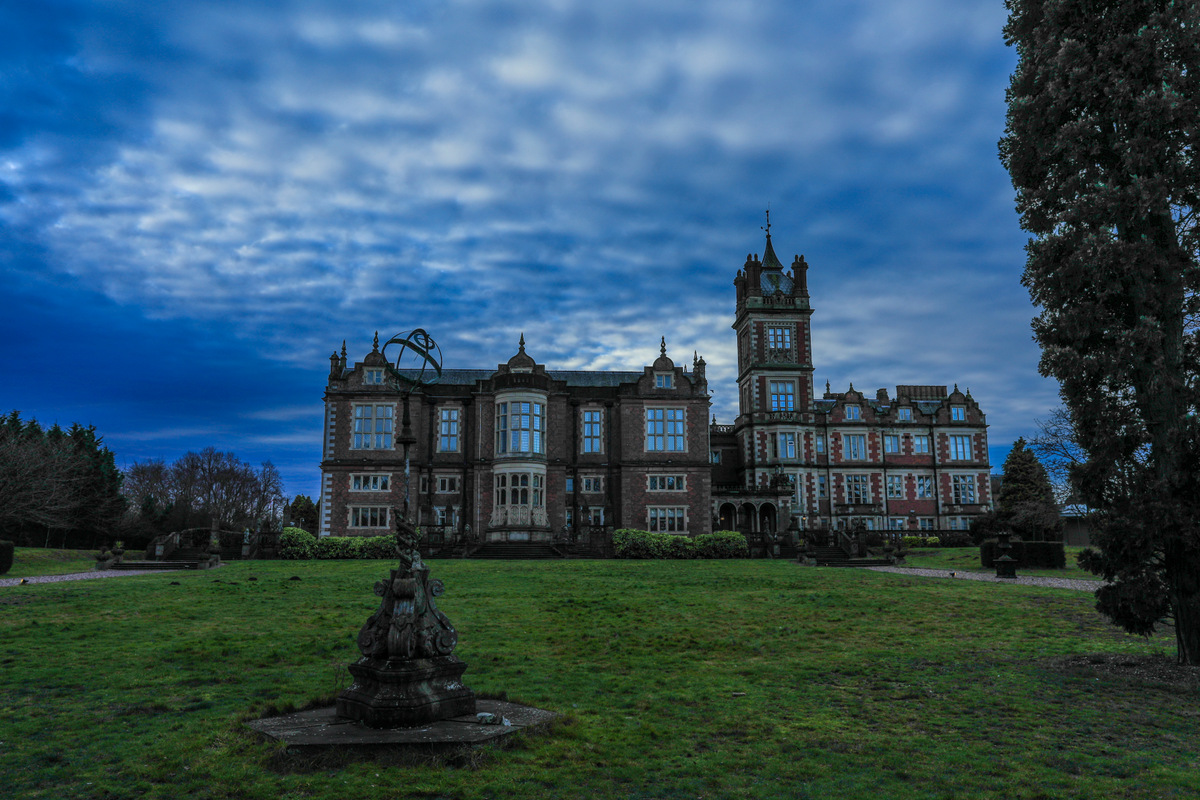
1103, 122
304, 513
1026, 502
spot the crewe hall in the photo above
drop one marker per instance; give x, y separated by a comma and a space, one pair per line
525, 453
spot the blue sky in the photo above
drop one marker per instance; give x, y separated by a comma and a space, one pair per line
200, 201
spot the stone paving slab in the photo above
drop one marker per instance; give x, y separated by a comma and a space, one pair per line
321, 729
987, 577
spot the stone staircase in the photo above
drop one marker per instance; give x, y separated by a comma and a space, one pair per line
837, 557
179, 559
512, 551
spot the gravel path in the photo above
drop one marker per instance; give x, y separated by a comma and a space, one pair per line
1057, 583
84, 576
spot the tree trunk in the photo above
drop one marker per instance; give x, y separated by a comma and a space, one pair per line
1185, 607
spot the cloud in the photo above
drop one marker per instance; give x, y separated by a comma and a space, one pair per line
283, 176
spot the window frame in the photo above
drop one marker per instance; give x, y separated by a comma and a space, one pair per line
592, 440
377, 478
380, 427
355, 517
666, 429
782, 395
448, 430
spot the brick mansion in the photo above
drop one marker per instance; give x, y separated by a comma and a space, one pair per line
523, 453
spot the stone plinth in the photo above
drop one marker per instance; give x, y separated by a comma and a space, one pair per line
323, 729
406, 693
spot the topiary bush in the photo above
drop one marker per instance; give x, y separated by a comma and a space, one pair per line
722, 544
6, 556
297, 543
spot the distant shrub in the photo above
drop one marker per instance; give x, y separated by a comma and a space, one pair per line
296, 543
955, 539
329, 547
722, 544
377, 547
920, 541
6, 556
632, 543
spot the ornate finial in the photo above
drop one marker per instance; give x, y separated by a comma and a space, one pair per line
826, 387
767, 228
663, 349
375, 345
714, 422
851, 386
695, 357
343, 348
521, 344
968, 391
956, 388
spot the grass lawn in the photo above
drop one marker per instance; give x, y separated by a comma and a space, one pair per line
966, 559
31, 561
748, 679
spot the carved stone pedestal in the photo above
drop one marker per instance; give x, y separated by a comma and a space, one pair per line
407, 675
407, 693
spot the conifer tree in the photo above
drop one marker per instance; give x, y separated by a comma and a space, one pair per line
1026, 502
1100, 142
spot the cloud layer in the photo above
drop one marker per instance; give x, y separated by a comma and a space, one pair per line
247, 185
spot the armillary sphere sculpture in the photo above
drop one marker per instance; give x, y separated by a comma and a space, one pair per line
407, 675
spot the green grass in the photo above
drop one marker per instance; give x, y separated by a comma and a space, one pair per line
966, 559
748, 679
32, 561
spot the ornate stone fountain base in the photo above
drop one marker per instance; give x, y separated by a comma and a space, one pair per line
403, 694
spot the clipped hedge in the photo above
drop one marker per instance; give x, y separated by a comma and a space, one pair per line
6, 556
722, 544
329, 547
956, 539
297, 543
1031, 555
632, 543
920, 541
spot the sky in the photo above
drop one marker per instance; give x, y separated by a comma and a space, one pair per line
200, 201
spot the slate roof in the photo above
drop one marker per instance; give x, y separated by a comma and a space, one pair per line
460, 377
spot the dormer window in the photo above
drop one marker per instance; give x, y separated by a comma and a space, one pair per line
904, 414
852, 412
663, 381
958, 413
373, 376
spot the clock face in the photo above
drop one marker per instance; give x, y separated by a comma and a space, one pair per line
417, 359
